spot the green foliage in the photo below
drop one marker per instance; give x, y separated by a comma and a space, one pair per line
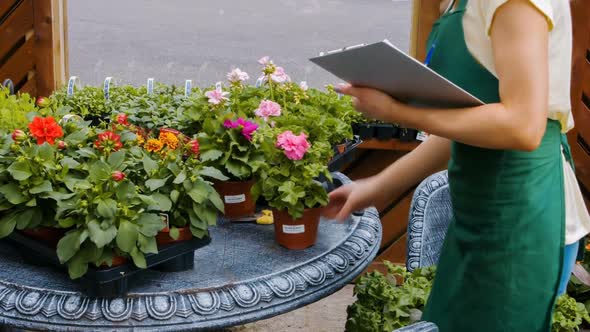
568, 315
15, 111
384, 304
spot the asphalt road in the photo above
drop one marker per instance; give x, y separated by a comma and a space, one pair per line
175, 40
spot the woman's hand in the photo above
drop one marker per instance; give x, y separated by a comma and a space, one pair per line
374, 104
352, 197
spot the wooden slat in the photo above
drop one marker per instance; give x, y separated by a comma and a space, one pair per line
392, 144
20, 64
424, 14
395, 222
5, 6
30, 87
16, 26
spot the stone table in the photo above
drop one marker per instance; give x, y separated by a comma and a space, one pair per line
242, 276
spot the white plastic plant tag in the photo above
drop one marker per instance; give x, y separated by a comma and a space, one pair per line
150, 86
422, 136
188, 86
259, 81
218, 86
107, 87
234, 199
293, 229
165, 219
72, 83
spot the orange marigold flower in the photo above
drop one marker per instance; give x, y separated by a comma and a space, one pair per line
169, 139
45, 130
154, 145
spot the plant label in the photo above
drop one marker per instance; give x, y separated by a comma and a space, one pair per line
165, 219
293, 229
234, 199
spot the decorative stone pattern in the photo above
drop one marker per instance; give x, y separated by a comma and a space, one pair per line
430, 215
233, 302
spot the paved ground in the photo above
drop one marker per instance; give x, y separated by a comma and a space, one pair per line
176, 40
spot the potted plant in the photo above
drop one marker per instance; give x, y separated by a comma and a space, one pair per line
226, 144
289, 184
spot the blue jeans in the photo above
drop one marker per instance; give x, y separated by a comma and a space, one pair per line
569, 259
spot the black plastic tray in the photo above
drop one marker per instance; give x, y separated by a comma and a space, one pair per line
112, 282
340, 159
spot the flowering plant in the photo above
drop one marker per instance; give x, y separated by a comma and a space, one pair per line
227, 144
290, 170
106, 188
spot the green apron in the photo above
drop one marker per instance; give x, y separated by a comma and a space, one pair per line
501, 261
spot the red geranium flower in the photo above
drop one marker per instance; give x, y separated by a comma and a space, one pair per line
122, 119
45, 130
108, 141
194, 145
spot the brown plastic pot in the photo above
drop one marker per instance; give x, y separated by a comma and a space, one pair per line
296, 233
236, 197
47, 235
163, 236
341, 148
116, 261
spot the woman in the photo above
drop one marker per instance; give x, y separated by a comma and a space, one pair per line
511, 189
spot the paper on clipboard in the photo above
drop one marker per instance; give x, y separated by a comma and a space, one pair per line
384, 67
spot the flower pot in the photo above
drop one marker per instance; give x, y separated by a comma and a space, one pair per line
384, 131
237, 199
366, 131
341, 148
116, 261
48, 235
396, 132
356, 128
296, 233
163, 236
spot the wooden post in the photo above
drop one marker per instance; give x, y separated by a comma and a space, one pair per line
51, 57
424, 14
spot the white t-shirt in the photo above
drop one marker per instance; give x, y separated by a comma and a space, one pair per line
477, 23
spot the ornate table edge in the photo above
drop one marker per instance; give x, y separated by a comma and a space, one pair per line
240, 303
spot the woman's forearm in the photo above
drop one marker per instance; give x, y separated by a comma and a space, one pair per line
493, 126
430, 157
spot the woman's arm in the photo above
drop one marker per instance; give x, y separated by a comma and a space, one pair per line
399, 177
520, 42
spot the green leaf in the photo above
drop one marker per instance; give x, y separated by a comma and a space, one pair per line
68, 246
86, 153
99, 171
24, 218
155, 184
211, 155
138, 258
7, 224
147, 245
127, 236
101, 237
216, 200
116, 159
180, 178
163, 203
199, 192
125, 190
237, 169
13, 194
213, 173
78, 266
106, 208
174, 233
199, 233
42, 188
20, 170
173, 167
32, 203
150, 224
205, 213
196, 221
174, 194
45, 152
149, 165
70, 162
75, 138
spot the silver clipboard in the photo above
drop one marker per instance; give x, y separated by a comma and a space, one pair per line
384, 67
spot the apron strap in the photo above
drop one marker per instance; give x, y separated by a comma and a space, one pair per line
567, 151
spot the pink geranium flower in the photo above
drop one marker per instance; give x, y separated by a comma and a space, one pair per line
237, 75
265, 60
280, 76
217, 96
247, 127
294, 146
268, 108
